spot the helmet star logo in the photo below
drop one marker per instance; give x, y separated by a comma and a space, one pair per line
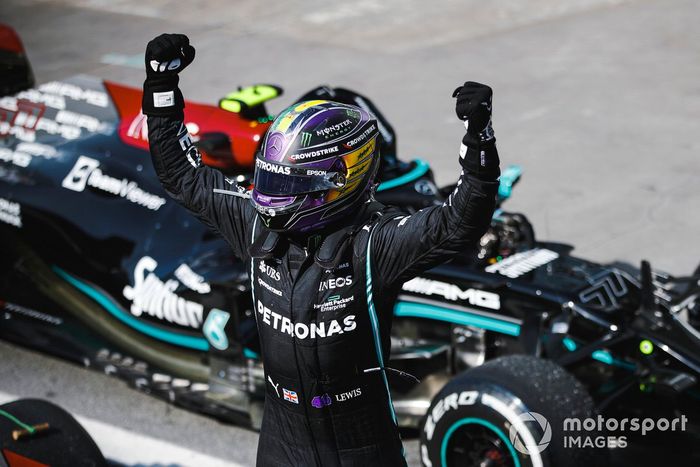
274, 145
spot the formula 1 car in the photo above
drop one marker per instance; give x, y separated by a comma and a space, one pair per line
99, 266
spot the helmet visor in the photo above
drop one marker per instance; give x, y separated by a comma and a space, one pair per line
284, 180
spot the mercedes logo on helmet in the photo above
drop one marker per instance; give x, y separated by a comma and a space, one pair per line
274, 145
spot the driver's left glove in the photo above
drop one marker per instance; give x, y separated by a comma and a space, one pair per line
478, 152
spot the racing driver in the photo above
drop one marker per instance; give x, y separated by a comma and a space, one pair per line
326, 260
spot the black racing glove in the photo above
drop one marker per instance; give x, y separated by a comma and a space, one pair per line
166, 56
478, 151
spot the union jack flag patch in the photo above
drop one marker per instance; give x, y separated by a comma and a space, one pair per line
290, 396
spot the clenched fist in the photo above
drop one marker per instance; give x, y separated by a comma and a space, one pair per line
474, 106
166, 56
478, 153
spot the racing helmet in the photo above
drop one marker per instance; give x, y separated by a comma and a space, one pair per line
316, 165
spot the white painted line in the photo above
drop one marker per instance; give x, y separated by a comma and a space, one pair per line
345, 11
129, 448
133, 61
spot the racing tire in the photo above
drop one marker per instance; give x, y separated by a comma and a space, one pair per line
59, 439
509, 412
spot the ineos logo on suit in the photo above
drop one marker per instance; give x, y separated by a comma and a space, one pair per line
335, 283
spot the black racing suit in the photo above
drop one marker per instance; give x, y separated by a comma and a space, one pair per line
324, 310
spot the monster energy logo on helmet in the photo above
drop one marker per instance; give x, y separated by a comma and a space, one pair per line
305, 139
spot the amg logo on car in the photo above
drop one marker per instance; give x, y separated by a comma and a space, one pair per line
71, 91
452, 292
10, 212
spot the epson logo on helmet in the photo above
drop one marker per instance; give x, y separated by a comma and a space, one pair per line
309, 155
268, 167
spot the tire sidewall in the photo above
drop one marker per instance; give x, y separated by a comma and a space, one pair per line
489, 405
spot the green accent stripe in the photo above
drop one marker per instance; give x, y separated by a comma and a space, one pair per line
252, 274
464, 318
509, 176
247, 353
375, 325
569, 344
30, 429
196, 343
418, 171
477, 421
602, 356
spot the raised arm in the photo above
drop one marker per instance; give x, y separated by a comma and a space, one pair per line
205, 192
406, 245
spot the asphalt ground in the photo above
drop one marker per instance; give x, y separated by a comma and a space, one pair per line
598, 101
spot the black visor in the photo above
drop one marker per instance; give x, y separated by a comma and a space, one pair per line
278, 179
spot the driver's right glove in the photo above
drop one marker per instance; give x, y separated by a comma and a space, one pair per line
166, 56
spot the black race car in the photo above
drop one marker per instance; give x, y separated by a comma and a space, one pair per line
498, 352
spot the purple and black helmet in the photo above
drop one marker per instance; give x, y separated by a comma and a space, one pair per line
317, 162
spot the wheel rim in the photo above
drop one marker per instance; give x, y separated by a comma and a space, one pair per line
477, 442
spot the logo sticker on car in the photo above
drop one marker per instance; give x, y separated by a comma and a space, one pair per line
150, 295
213, 328
453, 292
86, 172
523, 262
